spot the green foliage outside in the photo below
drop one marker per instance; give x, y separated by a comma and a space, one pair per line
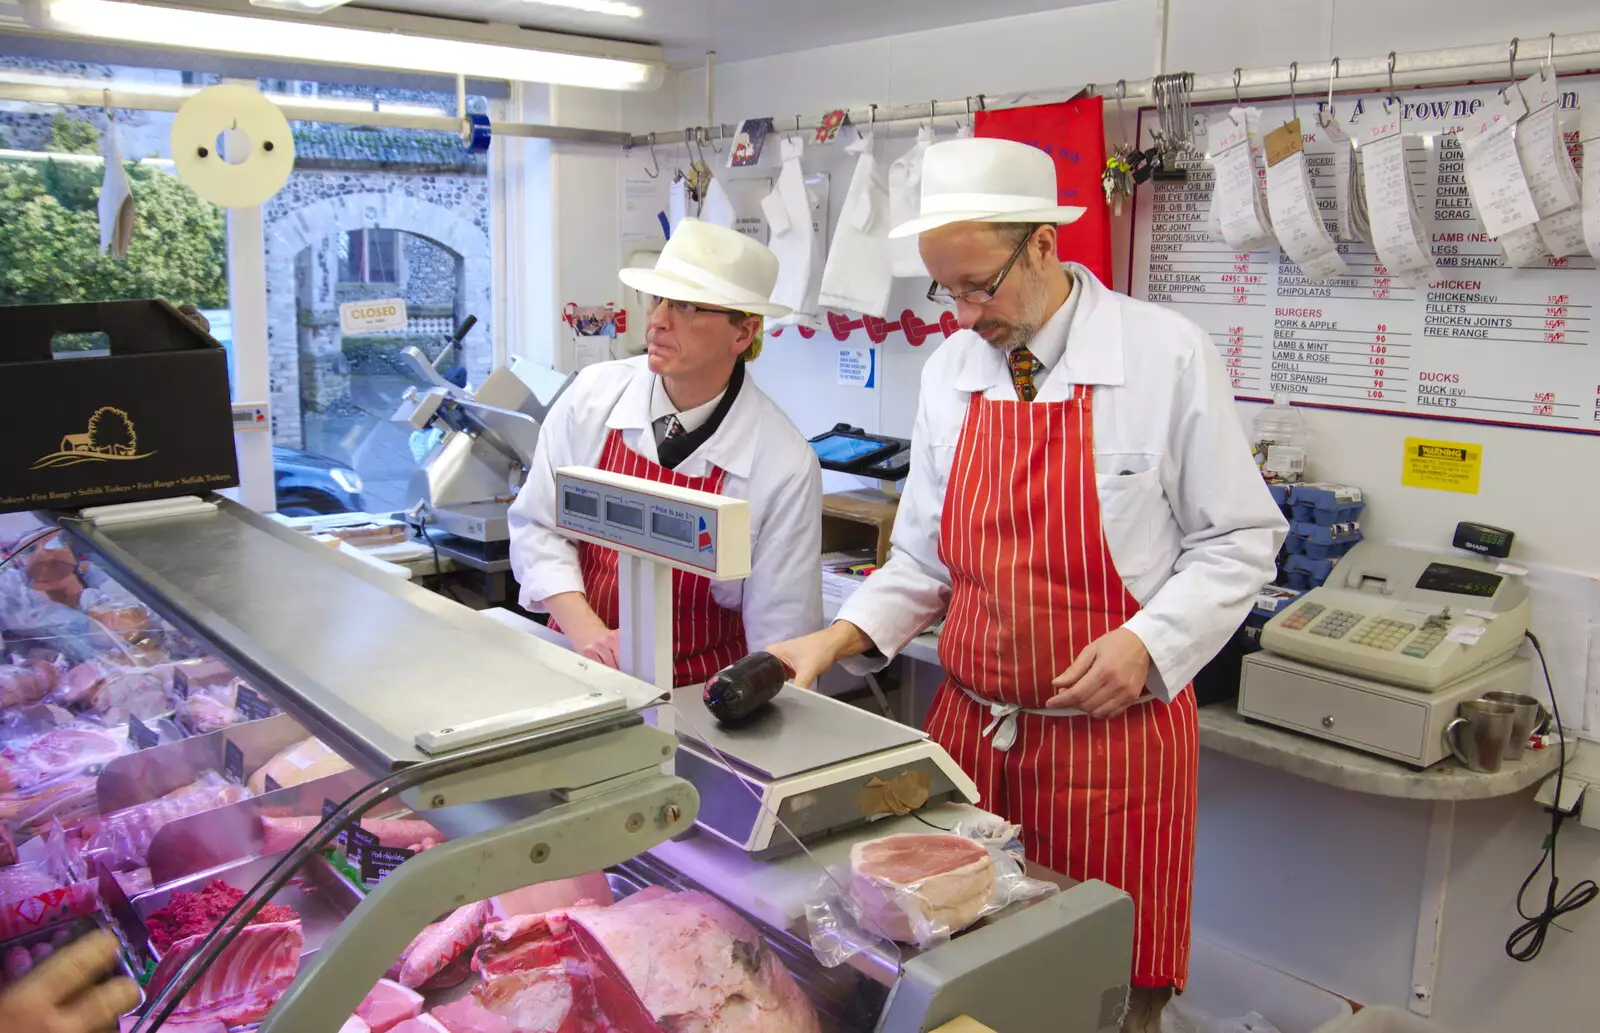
50, 247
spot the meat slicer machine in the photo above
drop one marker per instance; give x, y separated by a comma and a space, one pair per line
471, 474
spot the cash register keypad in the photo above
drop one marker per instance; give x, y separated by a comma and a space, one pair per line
1303, 614
1430, 635
1335, 624
1383, 633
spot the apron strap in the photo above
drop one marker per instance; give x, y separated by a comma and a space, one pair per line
1003, 716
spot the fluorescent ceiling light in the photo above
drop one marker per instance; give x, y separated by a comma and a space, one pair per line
77, 159
303, 6
156, 89
321, 42
614, 8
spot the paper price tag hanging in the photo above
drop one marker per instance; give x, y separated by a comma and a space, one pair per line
1391, 205
1295, 217
1234, 197
1591, 178
1552, 179
1494, 172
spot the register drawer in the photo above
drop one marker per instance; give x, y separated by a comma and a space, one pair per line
1339, 712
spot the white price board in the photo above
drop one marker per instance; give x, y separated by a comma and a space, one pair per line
1481, 342
369, 317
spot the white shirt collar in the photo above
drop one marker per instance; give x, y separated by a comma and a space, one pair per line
692, 419
1050, 343
732, 447
1091, 336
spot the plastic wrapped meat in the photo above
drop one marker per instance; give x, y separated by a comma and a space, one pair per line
57, 752
66, 800
32, 898
210, 707
123, 837
305, 760
280, 834
79, 684
127, 622
443, 943
670, 961
8, 844
25, 683
131, 691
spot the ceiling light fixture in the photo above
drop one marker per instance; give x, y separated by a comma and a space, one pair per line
614, 8
369, 39
302, 6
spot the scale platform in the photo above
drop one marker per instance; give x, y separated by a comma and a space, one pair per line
808, 757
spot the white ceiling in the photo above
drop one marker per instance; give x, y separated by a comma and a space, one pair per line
737, 29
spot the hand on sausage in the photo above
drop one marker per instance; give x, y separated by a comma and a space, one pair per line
810, 655
63, 994
1107, 676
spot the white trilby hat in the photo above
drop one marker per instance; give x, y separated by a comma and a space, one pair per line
712, 265
986, 180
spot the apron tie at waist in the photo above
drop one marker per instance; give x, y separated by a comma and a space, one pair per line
1003, 716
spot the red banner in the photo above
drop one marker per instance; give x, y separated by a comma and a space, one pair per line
1073, 134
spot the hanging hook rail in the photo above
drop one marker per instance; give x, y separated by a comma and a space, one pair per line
1325, 117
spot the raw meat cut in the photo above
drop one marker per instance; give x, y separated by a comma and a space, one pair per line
442, 943
25, 683
388, 1004
189, 914
8, 844
300, 763
514, 945
132, 691
67, 800
17, 962
591, 888
421, 1024
937, 883
80, 683
468, 1016
175, 1024
57, 752
354, 1025
123, 621
123, 837
279, 834
682, 962
245, 980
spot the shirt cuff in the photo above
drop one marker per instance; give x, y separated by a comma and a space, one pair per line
888, 635
1163, 661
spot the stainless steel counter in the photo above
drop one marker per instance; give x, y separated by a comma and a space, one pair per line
364, 660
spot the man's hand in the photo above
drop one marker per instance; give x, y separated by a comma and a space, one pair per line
1106, 677
584, 629
810, 655
61, 994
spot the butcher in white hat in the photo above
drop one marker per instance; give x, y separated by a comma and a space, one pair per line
684, 413
1083, 513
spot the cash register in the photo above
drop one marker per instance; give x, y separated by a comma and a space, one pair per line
1380, 656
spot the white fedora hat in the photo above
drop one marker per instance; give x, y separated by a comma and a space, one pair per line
712, 265
986, 180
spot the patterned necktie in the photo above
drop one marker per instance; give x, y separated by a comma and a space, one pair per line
1024, 364
671, 427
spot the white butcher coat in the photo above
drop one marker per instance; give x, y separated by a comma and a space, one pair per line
782, 598
795, 239
1192, 529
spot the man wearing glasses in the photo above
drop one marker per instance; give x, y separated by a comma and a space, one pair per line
685, 413
1083, 512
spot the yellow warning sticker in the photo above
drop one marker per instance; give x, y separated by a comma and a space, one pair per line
1442, 465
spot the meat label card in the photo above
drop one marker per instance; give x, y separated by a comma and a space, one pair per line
328, 809
180, 683
371, 858
1471, 339
233, 762
140, 734
251, 705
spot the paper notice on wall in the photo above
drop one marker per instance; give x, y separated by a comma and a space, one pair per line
644, 204
1591, 178
1442, 465
1234, 195
858, 367
1396, 228
1494, 172
1295, 217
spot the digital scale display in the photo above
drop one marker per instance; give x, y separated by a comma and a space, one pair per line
674, 529
583, 505
1446, 577
624, 515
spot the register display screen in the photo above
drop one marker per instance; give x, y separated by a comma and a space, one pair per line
837, 448
1445, 577
582, 505
674, 529
624, 515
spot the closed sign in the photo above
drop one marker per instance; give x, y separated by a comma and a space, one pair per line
366, 317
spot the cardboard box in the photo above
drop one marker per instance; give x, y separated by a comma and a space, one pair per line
149, 420
862, 519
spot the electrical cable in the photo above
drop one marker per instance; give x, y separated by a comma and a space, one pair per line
1527, 940
930, 824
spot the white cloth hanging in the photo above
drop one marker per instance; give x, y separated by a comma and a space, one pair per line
116, 200
857, 277
796, 239
718, 207
905, 204
679, 205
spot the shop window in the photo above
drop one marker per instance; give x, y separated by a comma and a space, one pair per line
370, 256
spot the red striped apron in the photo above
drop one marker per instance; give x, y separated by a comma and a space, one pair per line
705, 637
1033, 583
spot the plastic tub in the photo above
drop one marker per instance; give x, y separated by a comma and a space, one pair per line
1382, 1019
